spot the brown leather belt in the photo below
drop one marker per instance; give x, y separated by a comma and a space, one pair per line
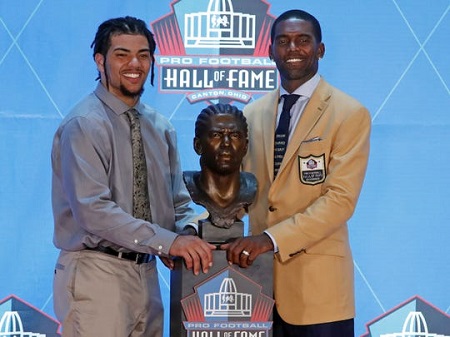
139, 258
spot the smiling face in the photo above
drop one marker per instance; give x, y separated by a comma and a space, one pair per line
223, 144
295, 52
125, 68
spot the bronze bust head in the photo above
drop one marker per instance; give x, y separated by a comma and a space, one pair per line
221, 142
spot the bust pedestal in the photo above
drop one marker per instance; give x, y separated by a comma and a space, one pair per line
216, 235
228, 300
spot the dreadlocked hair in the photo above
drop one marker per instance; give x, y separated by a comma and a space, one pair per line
123, 25
219, 109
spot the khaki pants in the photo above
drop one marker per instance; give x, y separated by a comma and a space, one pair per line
95, 295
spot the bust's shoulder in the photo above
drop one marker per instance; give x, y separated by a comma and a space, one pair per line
248, 177
189, 178
249, 186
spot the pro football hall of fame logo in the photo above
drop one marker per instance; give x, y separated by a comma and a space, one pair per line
215, 49
414, 318
20, 319
228, 304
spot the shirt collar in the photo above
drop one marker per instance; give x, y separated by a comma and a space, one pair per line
306, 89
115, 104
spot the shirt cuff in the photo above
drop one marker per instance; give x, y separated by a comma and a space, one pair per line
193, 225
275, 247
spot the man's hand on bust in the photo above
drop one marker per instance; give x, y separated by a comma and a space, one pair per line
243, 251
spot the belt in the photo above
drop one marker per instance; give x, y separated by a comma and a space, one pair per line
139, 258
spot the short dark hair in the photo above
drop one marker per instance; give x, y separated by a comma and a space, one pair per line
123, 25
219, 109
298, 14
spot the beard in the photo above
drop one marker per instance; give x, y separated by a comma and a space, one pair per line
123, 90
128, 93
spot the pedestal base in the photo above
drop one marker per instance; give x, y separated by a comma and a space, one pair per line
218, 235
226, 300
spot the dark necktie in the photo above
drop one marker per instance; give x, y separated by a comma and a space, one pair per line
282, 131
141, 201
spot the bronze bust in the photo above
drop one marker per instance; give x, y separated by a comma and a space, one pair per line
221, 141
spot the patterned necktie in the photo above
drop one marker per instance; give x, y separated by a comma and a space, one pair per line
141, 201
282, 131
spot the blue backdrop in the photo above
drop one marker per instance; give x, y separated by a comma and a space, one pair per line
392, 55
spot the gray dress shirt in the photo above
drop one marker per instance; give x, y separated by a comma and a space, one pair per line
92, 181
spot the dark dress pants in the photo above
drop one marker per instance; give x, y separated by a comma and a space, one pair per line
333, 329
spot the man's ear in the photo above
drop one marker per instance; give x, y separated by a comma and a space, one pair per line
321, 51
100, 62
197, 146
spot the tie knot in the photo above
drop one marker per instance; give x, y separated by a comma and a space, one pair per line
132, 115
289, 101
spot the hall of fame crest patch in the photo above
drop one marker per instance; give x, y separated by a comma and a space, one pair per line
312, 169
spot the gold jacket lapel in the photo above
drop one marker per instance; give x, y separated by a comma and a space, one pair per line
310, 116
269, 119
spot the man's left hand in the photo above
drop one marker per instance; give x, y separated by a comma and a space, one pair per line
243, 251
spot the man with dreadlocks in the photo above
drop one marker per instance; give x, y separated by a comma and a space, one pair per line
106, 281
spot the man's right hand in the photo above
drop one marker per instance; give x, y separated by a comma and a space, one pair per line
196, 253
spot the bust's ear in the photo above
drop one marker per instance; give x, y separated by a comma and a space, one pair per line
246, 146
197, 146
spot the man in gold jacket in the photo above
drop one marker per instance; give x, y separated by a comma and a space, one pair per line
302, 206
